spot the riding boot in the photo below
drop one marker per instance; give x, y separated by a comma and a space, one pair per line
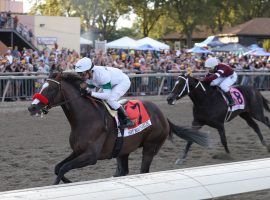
230, 99
123, 118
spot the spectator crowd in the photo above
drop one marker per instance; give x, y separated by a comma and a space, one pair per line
131, 61
135, 62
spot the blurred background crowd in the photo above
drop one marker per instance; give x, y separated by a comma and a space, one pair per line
130, 61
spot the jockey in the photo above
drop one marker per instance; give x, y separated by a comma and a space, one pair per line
221, 75
113, 82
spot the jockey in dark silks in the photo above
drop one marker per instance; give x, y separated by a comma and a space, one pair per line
221, 75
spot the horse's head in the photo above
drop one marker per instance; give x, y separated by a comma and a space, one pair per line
183, 86
49, 95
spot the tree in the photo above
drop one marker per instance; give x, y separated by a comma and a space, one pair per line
149, 12
219, 13
108, 15
188, 14
49, 8
163, 26
249, 9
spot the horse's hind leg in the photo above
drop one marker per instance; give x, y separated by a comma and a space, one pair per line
149, 151
260, 117
196, 125
254, 126
122, 166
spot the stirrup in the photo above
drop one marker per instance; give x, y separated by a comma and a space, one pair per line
126, 125
231, 104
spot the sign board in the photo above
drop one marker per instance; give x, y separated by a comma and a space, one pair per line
177, 45
100, 46
46, 40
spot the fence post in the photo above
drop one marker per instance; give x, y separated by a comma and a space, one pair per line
5, 90
161, 86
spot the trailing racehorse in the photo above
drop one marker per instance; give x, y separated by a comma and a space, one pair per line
94, 131
210, 107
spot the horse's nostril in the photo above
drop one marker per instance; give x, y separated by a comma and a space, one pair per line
31, 108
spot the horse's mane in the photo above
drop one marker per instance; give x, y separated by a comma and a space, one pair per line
72, 78
206, 85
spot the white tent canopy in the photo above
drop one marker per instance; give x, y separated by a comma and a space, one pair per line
205, 42
199, 50
154, 43
85, 41
122, 43
210, 41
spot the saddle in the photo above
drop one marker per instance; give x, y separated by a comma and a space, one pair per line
239, 101
237, 96
137, 113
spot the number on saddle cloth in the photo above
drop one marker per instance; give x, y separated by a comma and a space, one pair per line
238, 98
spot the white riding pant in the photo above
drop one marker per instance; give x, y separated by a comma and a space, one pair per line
225, 82
117, 92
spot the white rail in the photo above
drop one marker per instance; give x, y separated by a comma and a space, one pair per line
193, 183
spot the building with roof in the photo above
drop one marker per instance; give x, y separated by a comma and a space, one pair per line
15, 6
250, 32
199, 34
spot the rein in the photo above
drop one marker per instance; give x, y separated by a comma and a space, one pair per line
187, 86
45, 110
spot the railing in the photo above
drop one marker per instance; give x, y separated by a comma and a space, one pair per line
205, 182
21, 29
14, 87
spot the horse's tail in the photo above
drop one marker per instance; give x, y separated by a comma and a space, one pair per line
265, 104
190, 135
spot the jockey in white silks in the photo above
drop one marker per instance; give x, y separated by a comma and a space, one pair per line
112, 82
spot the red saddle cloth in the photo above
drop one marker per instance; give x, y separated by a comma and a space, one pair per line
136, 112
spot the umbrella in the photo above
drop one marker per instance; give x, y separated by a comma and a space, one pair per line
232, 47
211, 41
146, 47
258, 52
197, 49
215, 43
254, 46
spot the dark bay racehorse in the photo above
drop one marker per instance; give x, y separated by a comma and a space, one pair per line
93, 129
211, 109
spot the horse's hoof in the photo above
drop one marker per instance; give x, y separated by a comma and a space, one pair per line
179, 161
268, 149
222, 156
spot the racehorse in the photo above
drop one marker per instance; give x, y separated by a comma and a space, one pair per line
94, 130
210, 108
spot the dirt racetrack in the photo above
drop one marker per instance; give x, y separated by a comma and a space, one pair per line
31, 146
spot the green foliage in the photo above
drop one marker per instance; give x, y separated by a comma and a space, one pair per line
188, 14
49, 8
148, 12
130, 32
154, 17
266, 44
163, 26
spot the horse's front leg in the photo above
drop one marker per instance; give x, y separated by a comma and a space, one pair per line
196, 125
122, 166
59, 165
223, 139
81, 160
182, 158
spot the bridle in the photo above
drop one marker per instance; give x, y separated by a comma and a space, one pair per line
187, 87
46, 109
